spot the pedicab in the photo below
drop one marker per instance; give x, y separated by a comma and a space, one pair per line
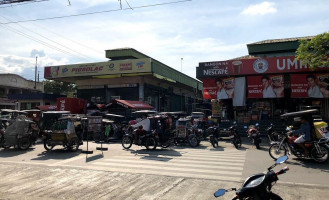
21, 132
184, 132
62, 133
317, 149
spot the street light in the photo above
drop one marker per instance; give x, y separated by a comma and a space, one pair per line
181, 64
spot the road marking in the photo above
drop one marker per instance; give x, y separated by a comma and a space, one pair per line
59, 163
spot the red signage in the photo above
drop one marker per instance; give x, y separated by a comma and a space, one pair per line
273, 65
310, 85
218, 88
265, 86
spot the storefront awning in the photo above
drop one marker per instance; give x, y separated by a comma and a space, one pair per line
47, 107
130, 104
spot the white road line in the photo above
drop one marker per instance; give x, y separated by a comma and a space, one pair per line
214, 176
168, 164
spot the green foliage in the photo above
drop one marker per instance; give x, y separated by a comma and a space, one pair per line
57, 87
314, 52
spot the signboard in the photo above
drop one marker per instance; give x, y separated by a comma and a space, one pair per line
100, 68
310, 85
95, 123
273, 65
218, 88
265, 86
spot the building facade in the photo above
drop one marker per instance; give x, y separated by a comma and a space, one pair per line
11, 84
130, 75
264, 84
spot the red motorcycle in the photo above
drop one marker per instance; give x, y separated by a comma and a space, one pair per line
318, 150
254, 135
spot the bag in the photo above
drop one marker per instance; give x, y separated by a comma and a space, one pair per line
318, 133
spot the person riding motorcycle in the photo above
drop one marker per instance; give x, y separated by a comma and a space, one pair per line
143, 127
304, 133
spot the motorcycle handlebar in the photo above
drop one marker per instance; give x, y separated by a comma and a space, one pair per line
282, 171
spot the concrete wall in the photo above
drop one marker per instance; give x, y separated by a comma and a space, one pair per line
17, 82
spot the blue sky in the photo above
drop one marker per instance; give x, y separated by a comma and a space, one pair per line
197, 30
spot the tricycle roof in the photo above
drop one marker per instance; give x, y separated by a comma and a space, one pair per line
300, 113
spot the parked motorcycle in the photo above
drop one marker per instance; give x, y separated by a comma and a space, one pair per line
271, 134
258, 186
234, 136
318, 150
254, 135
148, 140
213, 135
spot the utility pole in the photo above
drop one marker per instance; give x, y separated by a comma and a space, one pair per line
35, 72
181, 64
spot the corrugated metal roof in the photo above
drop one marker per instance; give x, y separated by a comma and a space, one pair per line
281, 40
244, 57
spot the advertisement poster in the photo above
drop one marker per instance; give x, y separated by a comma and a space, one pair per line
309, 85
100, 68
220, 88
265, 86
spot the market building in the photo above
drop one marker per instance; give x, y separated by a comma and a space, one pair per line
265, 83
130, 75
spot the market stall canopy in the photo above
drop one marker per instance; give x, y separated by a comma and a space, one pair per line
137, 105
47, 107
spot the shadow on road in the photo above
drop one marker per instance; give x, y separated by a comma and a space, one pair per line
12, 152
308, 163
94, 157
163, 155
58, 154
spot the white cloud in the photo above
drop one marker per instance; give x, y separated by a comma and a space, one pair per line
24, 66
260, 9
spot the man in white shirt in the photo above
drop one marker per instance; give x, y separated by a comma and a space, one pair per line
145, 125
221, 93
267, 90
313, 90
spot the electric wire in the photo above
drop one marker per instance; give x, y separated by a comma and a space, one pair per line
62, 36
18, 4
40, 41
50, 40
98, 12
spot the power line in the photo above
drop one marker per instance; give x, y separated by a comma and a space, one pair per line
50, 40
59, 35
99, 12
18, 4
39, 41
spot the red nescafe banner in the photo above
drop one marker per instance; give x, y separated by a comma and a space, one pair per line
310, 85
265, 86
220, 88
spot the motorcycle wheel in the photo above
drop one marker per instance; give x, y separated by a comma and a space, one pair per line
165, 144
46, 146
73, 144
276, 152
151, 143
214, 142
321, 157
193, 140
24, 143
126, 142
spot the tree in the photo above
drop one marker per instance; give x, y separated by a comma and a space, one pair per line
314, 52
57, 87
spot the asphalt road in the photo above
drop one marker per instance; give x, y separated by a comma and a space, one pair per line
178, 172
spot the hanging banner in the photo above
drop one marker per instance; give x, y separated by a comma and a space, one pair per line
309, 85
218, 88
265, 86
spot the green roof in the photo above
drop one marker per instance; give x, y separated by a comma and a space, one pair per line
157, 67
